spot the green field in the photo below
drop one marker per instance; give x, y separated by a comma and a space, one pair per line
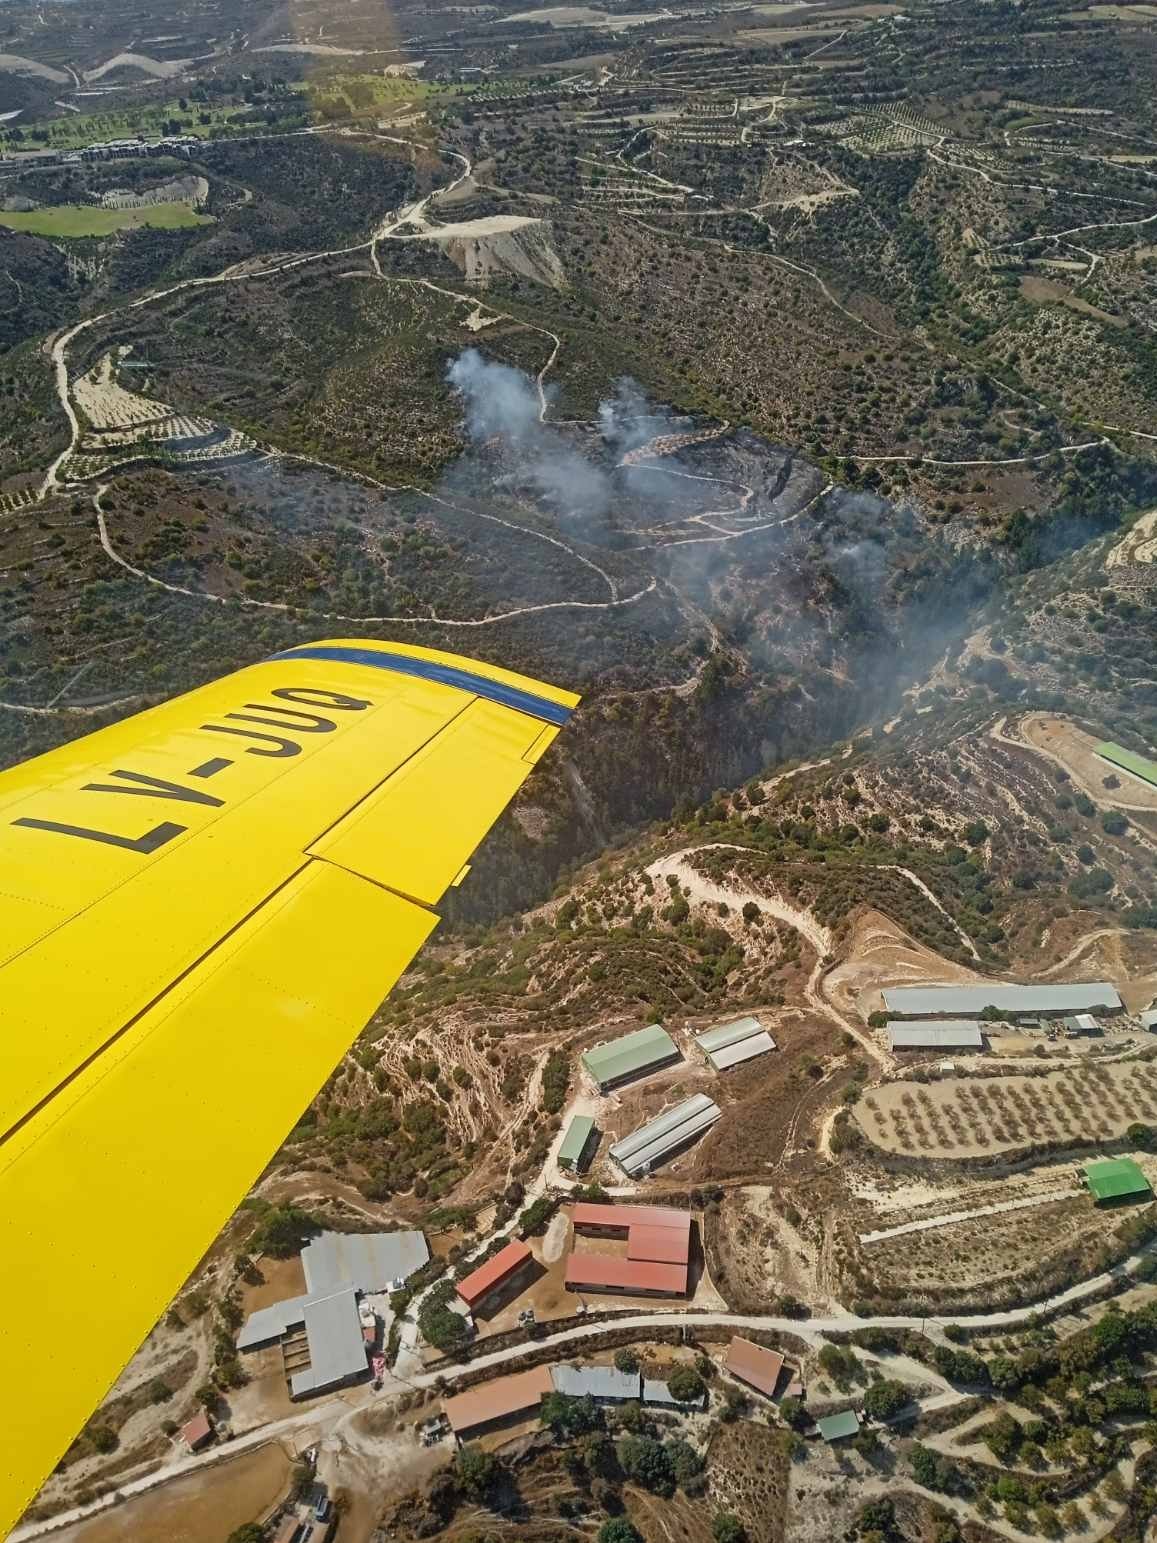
88, 220
76, 130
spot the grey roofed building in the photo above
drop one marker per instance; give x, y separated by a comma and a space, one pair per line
731, 1043
333, 1330
602, 1383
943, 1034
1149, 1019
337, 1347
371, 1261
662, 1137
659, 1394
743, 1050
962, 1001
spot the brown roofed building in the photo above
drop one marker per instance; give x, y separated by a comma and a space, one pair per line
665, 1245
198, 1432
501, 1270
492, 1403
588, 1216
753, 1364
625, 1277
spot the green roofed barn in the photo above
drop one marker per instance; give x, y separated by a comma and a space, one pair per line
1116, 1179
838, 1427
1136, 765
576, 1141
635, 1055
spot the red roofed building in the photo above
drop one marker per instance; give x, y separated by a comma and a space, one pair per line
664, 1245
625, 1277
501, 1270
609, 1219
198, 1432
754, 1364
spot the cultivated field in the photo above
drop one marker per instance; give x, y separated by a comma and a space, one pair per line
978, 1115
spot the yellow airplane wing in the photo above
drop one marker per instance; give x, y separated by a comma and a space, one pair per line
200, 908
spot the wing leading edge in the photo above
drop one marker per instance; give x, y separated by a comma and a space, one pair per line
200, 908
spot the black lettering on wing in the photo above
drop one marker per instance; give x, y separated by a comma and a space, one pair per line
149, 842
283, 747
152, 787
309, 697
303, 723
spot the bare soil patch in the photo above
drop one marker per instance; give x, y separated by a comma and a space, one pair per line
1074, 750
202, 1508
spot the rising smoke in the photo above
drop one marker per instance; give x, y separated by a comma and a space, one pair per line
504, 403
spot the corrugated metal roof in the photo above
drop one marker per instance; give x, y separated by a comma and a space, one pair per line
647, 1146
945, 1034
498, 1399
371, 1261
337, 1350
273, 1322
578, 1133
631, 1054
666, 1245
495, 1270
1114, 1178
1117, 755
588, 1213
596, 1382
931, 1001
592, 1271
743, 1050
834, 1427
728, 1034
655, 1392
754, 1364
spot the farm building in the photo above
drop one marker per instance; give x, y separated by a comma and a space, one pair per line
660, 1396
1136, 765
1117, 1178
1149, 1020
611, 1220
197, 1432
946, 1034
322, 1343
573, 1152
655, 1233
732, 1043
1078, 1024
1044, 1000
605, 1384
635, 1055
503, 1270
838, 1427
496, 1402
754, 1364
371, 1261
660, 1139
602, 1273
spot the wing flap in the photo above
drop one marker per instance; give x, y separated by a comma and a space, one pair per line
410, 833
